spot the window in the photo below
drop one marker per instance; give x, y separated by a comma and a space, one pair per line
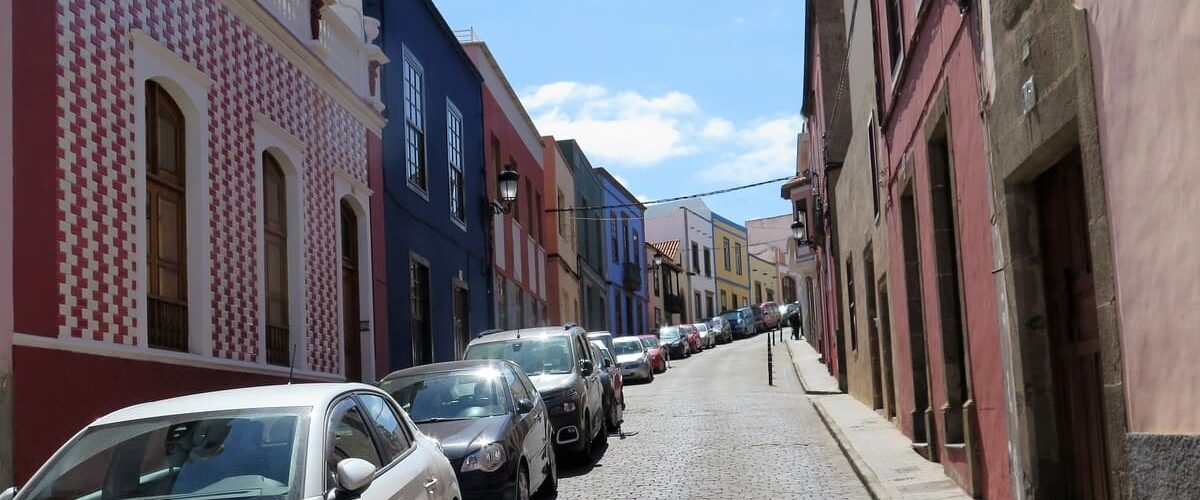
871, 149
725, 251
696, 312
738, 254
537, 216
349, 436
770, 295
414, 119
758, 295
696, 260
530, 216
166, 219
616, 250
625, 237
518, 389
895, 32
853, 318
562, 216
657, 318
422, 340
657, 293
501, 305
725, 301
636, 255
708, 301
388, 427
275, 263
314, 17
454, 151
707, 262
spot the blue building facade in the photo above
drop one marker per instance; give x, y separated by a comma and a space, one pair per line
589, 192
438, 272
623, 236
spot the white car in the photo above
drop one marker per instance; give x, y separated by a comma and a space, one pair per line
707, 338
631, 356
310, 441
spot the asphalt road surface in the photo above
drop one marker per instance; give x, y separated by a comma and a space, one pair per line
711, 427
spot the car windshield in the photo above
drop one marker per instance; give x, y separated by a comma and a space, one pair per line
628, 346
435, 397
669, 334
544, 355
254, 453
649, 342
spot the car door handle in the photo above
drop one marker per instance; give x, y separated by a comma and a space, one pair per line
431, 485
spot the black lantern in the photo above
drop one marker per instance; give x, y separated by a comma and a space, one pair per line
657, 259
799, 231
508, 180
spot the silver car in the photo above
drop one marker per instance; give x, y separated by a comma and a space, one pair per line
631, 355
708, 337
310, 441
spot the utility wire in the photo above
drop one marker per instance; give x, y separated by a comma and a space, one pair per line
668, 200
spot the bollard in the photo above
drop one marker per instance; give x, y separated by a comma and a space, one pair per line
770, 363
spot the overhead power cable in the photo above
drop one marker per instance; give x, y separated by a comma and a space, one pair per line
668, 200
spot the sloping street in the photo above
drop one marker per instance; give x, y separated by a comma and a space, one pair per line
711, 427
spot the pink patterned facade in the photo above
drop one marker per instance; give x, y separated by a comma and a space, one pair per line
255, 78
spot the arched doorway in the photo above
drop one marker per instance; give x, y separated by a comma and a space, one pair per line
351, 337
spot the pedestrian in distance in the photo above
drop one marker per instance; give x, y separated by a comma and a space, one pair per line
794, 320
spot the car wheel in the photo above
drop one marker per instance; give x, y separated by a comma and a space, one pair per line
522, 491
586, 436
601, 438
550, 483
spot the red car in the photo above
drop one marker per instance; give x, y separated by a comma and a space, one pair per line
654, 351
694, 342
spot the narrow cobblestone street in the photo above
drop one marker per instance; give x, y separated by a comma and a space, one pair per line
710, 427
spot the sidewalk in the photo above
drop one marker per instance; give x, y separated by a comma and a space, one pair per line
878, 452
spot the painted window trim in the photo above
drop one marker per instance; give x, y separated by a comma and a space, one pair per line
290, 152
189, 88
451, 109
410, 60
358, 194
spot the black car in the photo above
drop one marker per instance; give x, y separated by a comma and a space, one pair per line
674, 341
490, 421
559, 362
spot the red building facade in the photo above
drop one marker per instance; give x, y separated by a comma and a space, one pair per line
510, 140
192, 190
944, 306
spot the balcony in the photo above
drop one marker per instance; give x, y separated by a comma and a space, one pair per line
673, 304
631, 276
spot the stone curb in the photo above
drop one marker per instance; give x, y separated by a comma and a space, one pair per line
864, 471
803, 383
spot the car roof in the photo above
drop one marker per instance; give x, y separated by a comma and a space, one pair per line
599, 334
527, 333
448, 366
627, 339
273, 396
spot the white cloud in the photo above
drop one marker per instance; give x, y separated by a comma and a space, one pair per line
625, 127
717, 128
767, 150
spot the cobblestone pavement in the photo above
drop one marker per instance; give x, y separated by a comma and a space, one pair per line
711, 427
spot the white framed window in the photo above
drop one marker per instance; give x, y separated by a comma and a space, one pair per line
414, 124
454, 153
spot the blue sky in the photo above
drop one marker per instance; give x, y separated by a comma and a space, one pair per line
672, 96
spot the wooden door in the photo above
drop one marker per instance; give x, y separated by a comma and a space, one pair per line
352, 336
1073, 329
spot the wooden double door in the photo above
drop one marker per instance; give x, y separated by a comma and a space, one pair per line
1074, 334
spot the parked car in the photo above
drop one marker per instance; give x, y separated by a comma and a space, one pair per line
656, 352
707, 340
489, 419
756, 314
631, 355
721, 329
614, 394
559, 362
770, 313
674, 341
605, 337
695, 343
741, 322
285, 441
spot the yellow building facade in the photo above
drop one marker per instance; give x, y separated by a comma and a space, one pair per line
732, 263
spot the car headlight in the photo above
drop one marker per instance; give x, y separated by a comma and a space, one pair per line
486, 459
563, 407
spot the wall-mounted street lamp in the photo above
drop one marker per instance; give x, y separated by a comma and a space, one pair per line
799, 231
508, 179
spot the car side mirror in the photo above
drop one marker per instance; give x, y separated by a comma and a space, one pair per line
353, 476
524, 405
586, 367
9, 493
